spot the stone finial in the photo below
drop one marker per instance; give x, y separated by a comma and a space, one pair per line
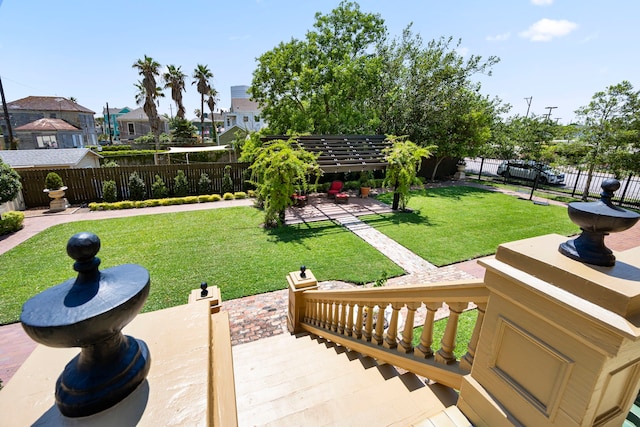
204, 292
89, 311
596, 220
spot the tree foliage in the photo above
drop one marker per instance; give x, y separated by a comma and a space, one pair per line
202, 79
346, 77
10, 184
149, 93
278, 171
174, 79
404, 159
325, 83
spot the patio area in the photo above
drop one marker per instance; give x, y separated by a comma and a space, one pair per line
321, 208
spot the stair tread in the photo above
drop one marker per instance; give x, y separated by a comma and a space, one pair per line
303, 381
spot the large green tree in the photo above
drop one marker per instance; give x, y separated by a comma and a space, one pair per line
609, 132
202, 79
174, 79
149, 70
404, 159
325, 83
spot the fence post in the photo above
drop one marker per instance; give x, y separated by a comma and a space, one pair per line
481, 166
575, 186
624, 192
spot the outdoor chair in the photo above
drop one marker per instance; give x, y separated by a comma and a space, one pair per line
335, 188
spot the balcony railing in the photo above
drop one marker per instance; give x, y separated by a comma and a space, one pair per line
354, 319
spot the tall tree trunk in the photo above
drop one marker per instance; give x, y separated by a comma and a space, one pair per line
435, 168
587, 187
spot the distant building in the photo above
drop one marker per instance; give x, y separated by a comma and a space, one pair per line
135, 124
51, 159
111, 121
244, 112
48, 133
29, 110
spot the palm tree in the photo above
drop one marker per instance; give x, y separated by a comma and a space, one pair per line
211, 102
149, 69
174, 80
201, 77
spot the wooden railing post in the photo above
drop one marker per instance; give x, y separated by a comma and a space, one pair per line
358, 331
391, 338
467, 360
378, 336
445, 354
406, 344
299, 282
349, 326
426, 339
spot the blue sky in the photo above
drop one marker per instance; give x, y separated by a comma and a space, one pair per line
557, 52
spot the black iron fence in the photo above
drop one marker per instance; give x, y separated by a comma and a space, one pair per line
575, 183
85, 185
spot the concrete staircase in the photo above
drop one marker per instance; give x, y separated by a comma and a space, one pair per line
302, 381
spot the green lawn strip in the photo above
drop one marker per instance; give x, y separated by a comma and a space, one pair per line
223, 247
466, 323
453, 224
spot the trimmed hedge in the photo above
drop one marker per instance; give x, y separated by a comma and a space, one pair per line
129, 204
10, 222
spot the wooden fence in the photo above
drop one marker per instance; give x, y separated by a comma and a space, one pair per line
85, 185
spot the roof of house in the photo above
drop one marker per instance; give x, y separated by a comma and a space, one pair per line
115, 110
39, 158
47, 103
242, 104
41, 125
137, 115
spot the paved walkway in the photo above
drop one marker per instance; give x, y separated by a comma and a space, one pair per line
263, 315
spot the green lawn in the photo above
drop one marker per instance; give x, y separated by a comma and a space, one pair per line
453, 224
224, 247
466, 324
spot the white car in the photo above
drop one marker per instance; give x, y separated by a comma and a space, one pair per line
529, 170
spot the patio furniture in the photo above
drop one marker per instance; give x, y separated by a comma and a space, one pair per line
334, 189
299, 200
342, 198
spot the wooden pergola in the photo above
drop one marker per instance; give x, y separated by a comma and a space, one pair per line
343, 153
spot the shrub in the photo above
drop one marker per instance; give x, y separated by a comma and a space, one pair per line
204, 184
152, 202
53, 181
228, 196
11, 221
227, 182
181, 188
215, 198
240, 195
159, 188
137, 187
251, 193
140, 204
109, 191
174, 201
9, 183
110, 164
93, 206
190, 199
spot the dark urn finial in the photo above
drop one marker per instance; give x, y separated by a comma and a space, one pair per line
302, 271
204, 292
596, 220
89, 311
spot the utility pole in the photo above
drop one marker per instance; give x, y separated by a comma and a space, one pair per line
549, 113
529, 99
12, 143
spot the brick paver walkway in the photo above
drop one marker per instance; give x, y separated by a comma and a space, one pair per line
264, 315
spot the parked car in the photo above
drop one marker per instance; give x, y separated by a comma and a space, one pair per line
528, 169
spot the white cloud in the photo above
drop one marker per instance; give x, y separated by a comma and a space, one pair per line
499, 37
542, 2
546, 29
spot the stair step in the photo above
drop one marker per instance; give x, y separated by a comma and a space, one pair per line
285, 380
450, 417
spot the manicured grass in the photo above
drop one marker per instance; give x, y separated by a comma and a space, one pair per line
224, 247
453, 224
466, 324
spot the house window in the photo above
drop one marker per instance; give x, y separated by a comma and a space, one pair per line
53, 116
47, 141
131, 129
257, 118
245, 119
